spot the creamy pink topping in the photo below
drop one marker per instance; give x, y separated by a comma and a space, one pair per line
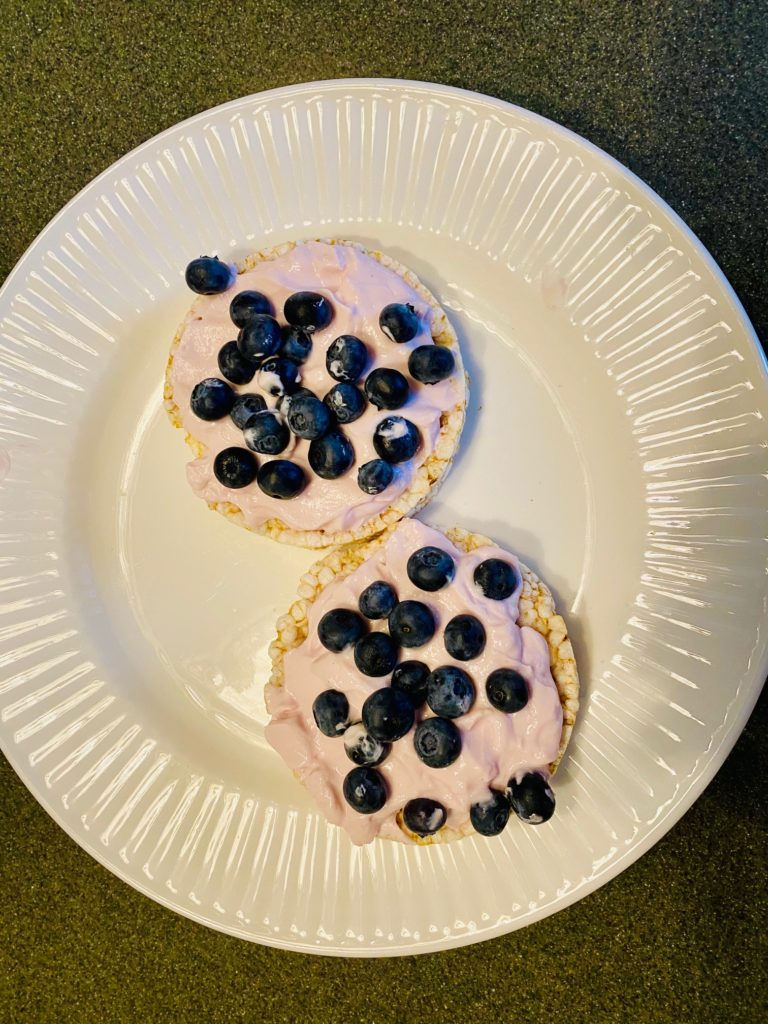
495, 745
358, 288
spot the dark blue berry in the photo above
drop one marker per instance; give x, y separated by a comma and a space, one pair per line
506, 690
377, 600
340, 628
411, 624
464, 637
346, 358
278, 376
365, 790
281, 478
387, 714
245, 408
396, 439
296, 345
260, 338
284, 401
399, 321
410, 677
246, 305
490, 817
267, 433
308, 417
212, 399
346, 402
430, 568
531, 798
308, 310
496, 579
332, 455
450, 691
386, 389
424, 816
331, 712
430, 364
362, 748
376, 654
437, 742
234, 366
235, 467
208, 275
375, 476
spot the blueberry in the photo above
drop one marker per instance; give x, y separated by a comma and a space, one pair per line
331, 712
437, 742
278, 376
387, 714
212, 399
410, 677
246, 305
346, 358
430, 364
346, 402
245, 408
308, 417
424, 816
387, 389
332, 455
235, 467
296, 345
376, 654
411, 624
531, 798
208, 275
280, 478
506, 690
234, 366
396, 439
377, 600
365, 790
430, 568
450, 691
490, 817
339, 628
284, 401
362, 748
496, 579
267, 433
259, 338
375, 476
464, 637
308, 310
399, 321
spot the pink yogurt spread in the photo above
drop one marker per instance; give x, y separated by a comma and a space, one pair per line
495, 745
358, 288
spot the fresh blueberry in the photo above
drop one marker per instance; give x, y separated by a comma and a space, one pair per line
212, 399
346, 402
490, 817
331, 711
308, 310
340, 628
396, 439
375, 476
531, 798
260, 338
424, 816
346, 358
234, 366
284, 401
281, 478
362, 748
332, 455
377, 600
208, 275
246, 305
245, 408
376, 654
496, 579
464, 637
296, 345
437, 742
386, 389
267, 433
387, 714
365, 790
411, 624
506, 690
278, 376
410, 677
430, 568
308, 417
399, 321
430, 364
235, 467
450, 691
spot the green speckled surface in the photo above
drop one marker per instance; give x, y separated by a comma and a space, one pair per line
678, 91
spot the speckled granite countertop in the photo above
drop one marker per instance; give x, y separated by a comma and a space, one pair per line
678, 91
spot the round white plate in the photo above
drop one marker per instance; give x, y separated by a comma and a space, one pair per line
616, 440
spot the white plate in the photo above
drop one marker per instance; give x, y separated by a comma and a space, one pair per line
616, 440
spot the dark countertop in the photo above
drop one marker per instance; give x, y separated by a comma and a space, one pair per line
678, 91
